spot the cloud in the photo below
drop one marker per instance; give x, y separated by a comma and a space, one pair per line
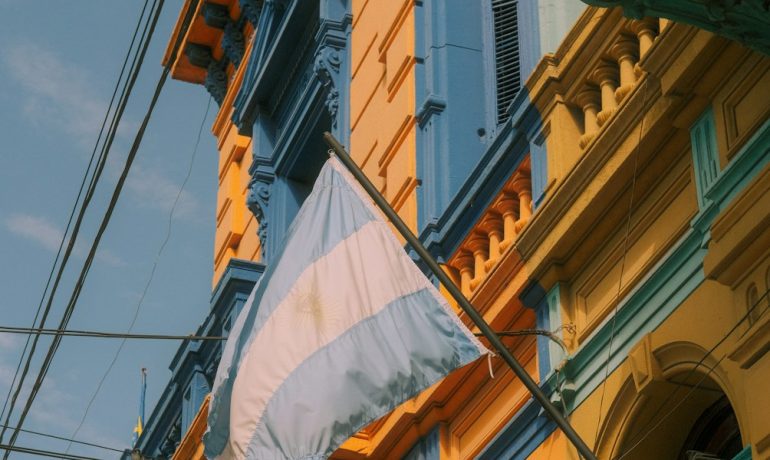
154, 190
7, 341
37, 229
48, 235
56, 93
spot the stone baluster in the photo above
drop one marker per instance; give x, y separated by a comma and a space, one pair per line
493, 225
588, 99
508, 206
645, 30
606, 76
522, 185
464, 264
625, 51
478, 245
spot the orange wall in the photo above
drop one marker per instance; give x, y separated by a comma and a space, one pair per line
382, 99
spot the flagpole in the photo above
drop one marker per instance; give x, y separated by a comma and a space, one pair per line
450, 286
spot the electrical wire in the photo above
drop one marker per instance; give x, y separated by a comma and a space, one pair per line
622, 267
149, 280
89, 193
105, 221
75, 205
42, 453
101, 335
656, 423
62, 438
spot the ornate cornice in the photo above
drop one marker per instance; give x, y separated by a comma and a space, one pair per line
745, 21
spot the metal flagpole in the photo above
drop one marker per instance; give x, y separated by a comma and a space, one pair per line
477, 319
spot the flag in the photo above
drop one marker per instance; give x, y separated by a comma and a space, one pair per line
140, 418
341, 328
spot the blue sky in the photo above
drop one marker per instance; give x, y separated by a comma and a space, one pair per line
58, 66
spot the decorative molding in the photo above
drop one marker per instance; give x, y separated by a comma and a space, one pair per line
216, 80
199, 55
258, 200
215, 15
432, 105
742, 20
327, 68
250, 9
233, 43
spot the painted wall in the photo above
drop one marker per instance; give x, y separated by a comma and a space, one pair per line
236, 228
537, 212
382, 95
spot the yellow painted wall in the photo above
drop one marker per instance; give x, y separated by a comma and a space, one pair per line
236, 227
578, 236
382, 99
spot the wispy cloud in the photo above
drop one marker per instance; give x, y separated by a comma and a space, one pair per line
41, 231
37, 229
56, 93
152, 189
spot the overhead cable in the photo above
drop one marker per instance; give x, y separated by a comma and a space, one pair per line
133, 72
103, 226
149, 279
101, 335
629, 214
62, 438
42, 453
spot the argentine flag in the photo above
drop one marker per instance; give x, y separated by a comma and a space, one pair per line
341, 328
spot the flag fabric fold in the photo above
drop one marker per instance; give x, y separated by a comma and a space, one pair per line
341, 328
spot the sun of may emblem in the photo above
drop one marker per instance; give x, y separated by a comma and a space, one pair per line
311, 311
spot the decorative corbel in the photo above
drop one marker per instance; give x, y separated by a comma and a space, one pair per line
257, 201
250, 9
327, 69
216, 81
233, 43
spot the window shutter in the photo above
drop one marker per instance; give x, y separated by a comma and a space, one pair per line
507, 72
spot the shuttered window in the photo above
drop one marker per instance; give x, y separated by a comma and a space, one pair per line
507, 71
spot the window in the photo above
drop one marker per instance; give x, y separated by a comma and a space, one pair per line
507, 67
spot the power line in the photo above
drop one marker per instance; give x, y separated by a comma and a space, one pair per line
622, 268
62, 438
681, 401
105, 221
42, 453
101, 335
133, 73
152, 274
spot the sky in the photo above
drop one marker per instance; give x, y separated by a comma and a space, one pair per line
59, 62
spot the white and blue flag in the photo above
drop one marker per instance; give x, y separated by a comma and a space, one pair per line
342, 328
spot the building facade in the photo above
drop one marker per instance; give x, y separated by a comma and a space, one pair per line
598, 172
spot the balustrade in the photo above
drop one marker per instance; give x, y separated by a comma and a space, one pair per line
496, 231
610, 79
615, 75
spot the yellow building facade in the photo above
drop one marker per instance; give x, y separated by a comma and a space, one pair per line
613, 207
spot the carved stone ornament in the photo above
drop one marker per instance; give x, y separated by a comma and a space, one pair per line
327, 69
257, 201
251, 9
233, 43
216, 81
